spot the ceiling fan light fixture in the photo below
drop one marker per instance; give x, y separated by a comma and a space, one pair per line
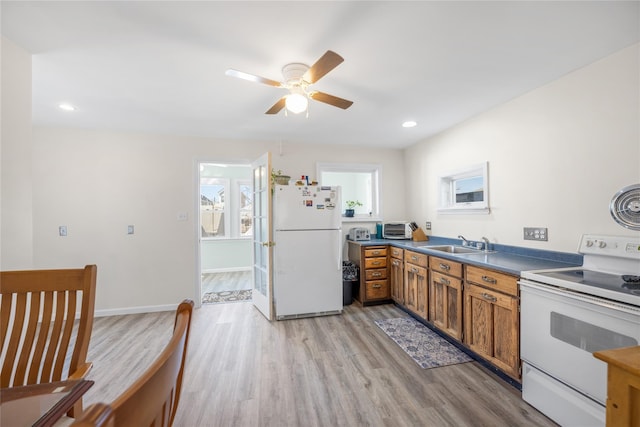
296, 102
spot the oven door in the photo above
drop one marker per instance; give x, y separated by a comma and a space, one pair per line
560, 330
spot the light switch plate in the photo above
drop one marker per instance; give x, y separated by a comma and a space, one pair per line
62, 230
130, 229
536, 233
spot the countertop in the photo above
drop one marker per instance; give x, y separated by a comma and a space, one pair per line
509, 259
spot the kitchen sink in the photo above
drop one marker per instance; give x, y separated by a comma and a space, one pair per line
455, 249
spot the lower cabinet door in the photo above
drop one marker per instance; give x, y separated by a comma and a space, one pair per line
397, 281
491, 327
416, 289
445, 303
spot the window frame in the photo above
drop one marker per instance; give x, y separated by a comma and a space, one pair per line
447, 191
376, 198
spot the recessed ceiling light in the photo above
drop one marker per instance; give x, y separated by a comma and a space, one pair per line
67, 107
409, 124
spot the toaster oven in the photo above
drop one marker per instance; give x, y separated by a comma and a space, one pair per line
396, 230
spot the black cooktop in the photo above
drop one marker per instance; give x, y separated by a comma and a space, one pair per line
628, 284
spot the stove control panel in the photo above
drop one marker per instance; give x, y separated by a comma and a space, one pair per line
614, 246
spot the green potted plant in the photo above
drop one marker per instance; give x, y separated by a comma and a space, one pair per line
277, 177
351, 204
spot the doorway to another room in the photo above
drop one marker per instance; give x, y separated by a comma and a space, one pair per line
226, 230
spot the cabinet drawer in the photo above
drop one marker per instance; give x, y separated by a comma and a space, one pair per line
375, 262
446, 266
492, 279
377, 289
375, 274
446, 280
375, 252
416, 258
397, 253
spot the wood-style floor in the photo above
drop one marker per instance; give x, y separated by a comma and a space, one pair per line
327, 371
226, 281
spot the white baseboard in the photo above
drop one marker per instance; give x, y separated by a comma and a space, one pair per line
135, 310
226, 270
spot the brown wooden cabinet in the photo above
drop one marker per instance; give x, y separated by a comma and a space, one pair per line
491, 318
445, 296
374, 283
623, 385
416, 296
396, 274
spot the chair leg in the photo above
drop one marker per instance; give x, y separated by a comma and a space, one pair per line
76, 411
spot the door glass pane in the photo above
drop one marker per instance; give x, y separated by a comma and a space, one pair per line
246, 208
212, 204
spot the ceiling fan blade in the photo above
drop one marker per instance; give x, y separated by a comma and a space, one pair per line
330, 99
326, 63
252, 78
275, 109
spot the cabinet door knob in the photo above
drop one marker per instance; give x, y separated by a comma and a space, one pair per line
445, 267
414, 258
444, 280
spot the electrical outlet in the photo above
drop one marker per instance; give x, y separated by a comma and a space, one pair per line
428, 225
536, 233
62, 230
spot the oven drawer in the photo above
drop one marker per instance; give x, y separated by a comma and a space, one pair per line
559, 402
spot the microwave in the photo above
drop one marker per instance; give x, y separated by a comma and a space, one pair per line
396, 230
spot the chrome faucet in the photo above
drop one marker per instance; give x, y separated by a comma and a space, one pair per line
486, 244
465, 242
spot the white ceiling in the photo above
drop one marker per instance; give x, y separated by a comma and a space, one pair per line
159, 66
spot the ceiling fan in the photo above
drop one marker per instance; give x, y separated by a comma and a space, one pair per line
297, 78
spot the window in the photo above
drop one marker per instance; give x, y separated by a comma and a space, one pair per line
359, 182
226, 201
213, 209
465, 190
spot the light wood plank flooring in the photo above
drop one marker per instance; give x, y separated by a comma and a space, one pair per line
327, 371
226, 281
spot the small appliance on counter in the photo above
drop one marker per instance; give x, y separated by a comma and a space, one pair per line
397, 230
359, 234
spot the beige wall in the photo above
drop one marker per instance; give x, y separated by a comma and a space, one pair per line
96, 183
15, 153
556, 157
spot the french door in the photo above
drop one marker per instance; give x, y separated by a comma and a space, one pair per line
262, 295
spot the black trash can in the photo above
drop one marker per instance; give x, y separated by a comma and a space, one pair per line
349, 280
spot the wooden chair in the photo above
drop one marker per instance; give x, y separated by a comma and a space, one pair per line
152, 400
37, 323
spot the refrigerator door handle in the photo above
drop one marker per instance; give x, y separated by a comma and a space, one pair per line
340, 249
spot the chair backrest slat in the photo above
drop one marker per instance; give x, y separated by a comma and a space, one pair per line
39, 323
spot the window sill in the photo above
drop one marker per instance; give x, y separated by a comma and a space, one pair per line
458, 211
361, 219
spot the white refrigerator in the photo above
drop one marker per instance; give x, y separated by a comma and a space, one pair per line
307, 278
